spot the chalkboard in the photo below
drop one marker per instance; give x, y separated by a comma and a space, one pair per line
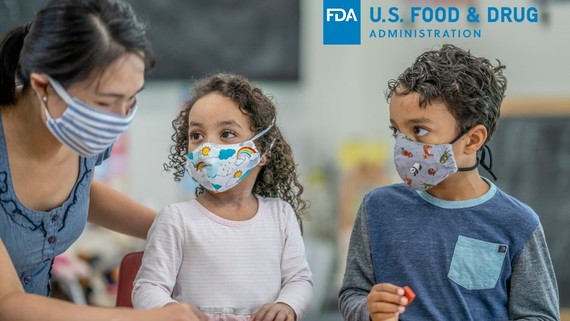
191, 38
531, 157
16, 12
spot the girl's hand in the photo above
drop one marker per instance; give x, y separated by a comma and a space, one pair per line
274, 312
386, 302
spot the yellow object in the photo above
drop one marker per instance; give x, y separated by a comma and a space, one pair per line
353, 153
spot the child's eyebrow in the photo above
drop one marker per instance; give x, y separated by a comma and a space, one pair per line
229, 123
414, 121
422, 120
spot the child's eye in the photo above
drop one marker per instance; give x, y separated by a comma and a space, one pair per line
228, 134
418, 131
195, 136
394, 130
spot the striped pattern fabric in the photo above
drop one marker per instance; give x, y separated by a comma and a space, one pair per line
86, 130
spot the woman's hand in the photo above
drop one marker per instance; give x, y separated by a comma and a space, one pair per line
386, 302
171, 312
274, 312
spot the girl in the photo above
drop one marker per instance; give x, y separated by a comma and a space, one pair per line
235, 252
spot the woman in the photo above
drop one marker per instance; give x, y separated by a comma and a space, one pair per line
68, 85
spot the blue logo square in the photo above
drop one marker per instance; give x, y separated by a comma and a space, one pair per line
341, 22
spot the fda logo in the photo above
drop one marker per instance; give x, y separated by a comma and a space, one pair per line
339, 14
341, 22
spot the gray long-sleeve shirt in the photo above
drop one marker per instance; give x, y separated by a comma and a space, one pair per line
482, 259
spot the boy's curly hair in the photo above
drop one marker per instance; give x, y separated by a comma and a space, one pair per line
471, 87
279, 177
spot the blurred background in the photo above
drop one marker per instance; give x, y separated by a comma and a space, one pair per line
332, 110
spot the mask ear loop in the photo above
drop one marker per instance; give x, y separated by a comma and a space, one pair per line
59, 90
269, 149
261, 133
489, 167
480, 160
464, 169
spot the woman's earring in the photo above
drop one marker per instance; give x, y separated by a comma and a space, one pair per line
44, 98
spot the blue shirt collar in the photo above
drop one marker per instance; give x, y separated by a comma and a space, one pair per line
460, 204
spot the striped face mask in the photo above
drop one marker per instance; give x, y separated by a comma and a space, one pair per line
220, 167
84, 129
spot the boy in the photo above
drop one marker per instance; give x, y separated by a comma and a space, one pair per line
467, 249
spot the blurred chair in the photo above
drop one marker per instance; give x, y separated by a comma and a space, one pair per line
127, 272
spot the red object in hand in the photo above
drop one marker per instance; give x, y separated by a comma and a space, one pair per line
408, 293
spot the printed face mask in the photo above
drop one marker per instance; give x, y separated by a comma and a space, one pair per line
220, 167
84, 129
422, 166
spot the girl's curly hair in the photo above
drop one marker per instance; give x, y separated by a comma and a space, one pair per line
279, 177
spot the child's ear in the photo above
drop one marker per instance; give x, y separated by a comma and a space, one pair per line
477, 137
264, 160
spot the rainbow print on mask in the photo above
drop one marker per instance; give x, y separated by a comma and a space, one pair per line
245, 151
200, 165
244, 154
219, 167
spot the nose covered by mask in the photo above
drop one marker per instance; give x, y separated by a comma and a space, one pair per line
422, 166
219, 167
84, 129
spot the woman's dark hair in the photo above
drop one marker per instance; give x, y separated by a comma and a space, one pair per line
471, 87
70, 40
278, 177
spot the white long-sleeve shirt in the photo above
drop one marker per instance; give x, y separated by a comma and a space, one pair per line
222, 266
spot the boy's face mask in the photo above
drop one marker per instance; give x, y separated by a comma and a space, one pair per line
84, 129
219, 167
422, 166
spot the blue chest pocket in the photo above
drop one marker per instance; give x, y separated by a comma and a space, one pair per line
476, 264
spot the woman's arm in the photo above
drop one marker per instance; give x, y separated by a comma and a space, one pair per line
17, 305
115, 211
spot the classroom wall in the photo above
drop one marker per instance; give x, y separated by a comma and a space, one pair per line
341, 91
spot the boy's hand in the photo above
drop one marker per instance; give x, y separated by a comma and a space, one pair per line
386, 302
274, 312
